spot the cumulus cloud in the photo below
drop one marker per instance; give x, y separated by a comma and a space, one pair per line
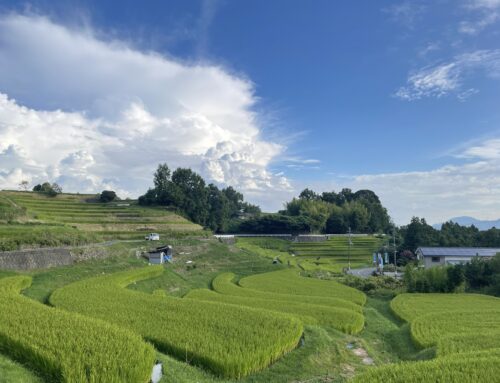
450, 77
91, 113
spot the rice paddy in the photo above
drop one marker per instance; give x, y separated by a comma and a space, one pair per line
340, 314
231, 341
65, 347
462, 329
333, 255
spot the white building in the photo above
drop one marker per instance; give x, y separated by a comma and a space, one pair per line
439, 256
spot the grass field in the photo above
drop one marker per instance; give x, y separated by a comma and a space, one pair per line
34, 220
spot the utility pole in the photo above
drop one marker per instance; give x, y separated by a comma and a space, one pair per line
394, 244
349, 251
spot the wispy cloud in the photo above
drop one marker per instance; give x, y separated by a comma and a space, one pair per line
304, 161
450, 77
487, 150
483, 14
207, 15
405, 13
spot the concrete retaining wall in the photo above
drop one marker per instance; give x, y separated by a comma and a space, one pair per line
35, 259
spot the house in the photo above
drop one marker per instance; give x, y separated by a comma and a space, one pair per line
439, 256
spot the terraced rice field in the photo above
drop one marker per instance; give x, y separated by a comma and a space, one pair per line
339, 313
66, 347
70, 219
330, 255
464, 331
290, 282
334, 254
231, 341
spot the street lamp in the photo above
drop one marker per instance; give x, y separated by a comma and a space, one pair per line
349, 251
395, 260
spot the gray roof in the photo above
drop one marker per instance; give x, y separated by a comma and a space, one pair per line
458, 251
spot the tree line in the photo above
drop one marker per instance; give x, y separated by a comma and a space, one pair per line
479, 275
328, 212
419, 233
206, 205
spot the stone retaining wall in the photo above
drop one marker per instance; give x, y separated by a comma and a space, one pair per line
35, 259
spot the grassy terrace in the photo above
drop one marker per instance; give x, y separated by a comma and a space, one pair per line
33, 219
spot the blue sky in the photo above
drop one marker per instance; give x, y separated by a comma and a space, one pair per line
401, 97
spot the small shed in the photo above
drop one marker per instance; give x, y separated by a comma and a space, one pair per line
160, 255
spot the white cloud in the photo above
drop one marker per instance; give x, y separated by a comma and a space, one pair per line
471, 188
96, 114
487, 150
483, 13
448, 78
481, 4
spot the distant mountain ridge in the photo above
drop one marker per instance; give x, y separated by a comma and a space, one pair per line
468, 221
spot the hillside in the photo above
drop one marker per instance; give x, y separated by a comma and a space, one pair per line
34, 219
469, 221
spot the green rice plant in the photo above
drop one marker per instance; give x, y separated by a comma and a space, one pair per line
223, 285
410, 306
464, 329
348, 321
426, 330
469, 342
228, 340
477, 367
67, 347
290, 282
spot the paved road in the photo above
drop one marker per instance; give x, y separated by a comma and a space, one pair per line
363, 273
367, 272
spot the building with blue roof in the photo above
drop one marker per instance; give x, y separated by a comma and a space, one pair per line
440, 256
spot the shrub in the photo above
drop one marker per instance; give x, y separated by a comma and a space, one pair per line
107, 196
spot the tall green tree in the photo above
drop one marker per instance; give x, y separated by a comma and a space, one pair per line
191, 194
218, 211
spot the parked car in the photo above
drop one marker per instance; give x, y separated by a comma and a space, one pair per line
153, 237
